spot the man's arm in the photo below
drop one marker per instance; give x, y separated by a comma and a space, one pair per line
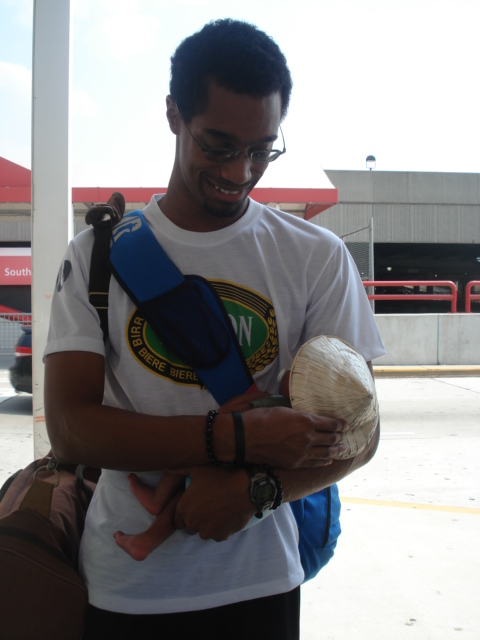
218, 506
83, 430
298, 483
217, 502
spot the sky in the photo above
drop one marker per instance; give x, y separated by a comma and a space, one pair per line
393, 79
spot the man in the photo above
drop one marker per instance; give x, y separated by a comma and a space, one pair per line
135, 407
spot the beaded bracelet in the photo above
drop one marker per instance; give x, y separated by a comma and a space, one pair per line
211, 415
279, 497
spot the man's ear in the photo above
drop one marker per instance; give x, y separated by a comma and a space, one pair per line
172, 116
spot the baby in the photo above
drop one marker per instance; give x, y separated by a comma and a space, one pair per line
162, 500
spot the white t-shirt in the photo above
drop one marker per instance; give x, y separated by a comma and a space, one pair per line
283, 281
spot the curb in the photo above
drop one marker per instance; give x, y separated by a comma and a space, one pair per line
427, 371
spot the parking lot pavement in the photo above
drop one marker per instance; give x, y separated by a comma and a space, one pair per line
408, 560
6, 389
16, 424
398, 574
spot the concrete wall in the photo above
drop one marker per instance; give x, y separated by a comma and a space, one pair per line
406, 187
406, 206
455, 224
429, 339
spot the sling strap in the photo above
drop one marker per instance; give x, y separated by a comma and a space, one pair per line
185, 312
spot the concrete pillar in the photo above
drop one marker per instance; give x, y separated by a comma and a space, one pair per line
52, 215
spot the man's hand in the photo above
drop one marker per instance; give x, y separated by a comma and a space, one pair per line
216, 504
285, 437
292, 439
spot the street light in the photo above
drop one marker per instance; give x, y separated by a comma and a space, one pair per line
371, 164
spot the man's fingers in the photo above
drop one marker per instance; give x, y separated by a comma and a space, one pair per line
178, 519
290, 438
168, 486
332, 439
325, 424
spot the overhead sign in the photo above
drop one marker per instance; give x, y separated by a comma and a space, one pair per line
15, 266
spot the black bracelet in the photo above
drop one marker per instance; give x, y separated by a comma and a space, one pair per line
279, 497
211, 415
239, 439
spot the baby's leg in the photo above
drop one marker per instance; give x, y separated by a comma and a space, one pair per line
149, 497
160, 502
139, 546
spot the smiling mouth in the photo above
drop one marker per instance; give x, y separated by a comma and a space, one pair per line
226, 191
231, 189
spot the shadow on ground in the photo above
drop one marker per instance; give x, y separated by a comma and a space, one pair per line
19, 405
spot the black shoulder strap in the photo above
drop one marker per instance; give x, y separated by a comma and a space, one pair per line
100, 274
103, 217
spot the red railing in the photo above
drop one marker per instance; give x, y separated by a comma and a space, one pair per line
469, 296
452, 297
15, 316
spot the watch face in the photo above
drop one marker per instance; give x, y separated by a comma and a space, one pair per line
263, 492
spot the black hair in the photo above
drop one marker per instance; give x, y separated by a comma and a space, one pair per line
235, 55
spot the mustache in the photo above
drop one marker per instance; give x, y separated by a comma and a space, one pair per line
231, 186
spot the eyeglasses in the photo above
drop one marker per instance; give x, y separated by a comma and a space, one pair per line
219, 154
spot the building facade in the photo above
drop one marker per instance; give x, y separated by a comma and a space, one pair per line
426, 226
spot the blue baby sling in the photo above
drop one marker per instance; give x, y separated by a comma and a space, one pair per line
189, 317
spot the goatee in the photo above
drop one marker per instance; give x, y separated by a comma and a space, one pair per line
224, 211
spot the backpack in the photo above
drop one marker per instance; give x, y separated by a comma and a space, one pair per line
42, 513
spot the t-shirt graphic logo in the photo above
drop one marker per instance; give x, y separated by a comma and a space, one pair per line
253, 320
64, 272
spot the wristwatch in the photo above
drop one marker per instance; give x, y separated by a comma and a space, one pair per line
263, 489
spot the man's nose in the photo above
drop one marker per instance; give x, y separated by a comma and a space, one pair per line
238, 171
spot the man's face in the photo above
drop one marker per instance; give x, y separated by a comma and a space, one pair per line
236, 121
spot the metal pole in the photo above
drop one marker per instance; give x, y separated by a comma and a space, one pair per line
52, 219
371, 266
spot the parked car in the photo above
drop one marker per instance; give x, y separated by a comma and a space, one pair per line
21, 370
